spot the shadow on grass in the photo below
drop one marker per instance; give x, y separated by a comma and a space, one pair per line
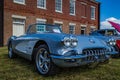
20, 68
62, 71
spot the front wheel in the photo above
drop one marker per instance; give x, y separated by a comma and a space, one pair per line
43, 61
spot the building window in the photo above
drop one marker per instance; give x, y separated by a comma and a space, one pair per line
72, 7
58, 6
92, 12
42, 21
41, 4
71, 29
41, 28
92, 28
18, 26
84, 10
59, 23
83, 30
19, 1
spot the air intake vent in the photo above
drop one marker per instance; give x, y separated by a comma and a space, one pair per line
95, 53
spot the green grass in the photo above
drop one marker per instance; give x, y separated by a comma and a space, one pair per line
21, 69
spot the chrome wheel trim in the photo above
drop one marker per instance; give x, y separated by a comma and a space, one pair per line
43, 61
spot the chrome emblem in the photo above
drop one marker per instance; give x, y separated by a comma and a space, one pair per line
91, 41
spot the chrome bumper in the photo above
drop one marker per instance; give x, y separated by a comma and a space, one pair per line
77, 60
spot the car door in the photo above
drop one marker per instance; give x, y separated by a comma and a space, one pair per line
21, 44
24, 45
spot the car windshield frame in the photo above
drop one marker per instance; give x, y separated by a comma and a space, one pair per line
43, 28
111, 33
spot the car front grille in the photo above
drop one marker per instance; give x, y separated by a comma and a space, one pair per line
95, 53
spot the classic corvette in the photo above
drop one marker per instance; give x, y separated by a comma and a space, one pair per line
49, 48
111, 37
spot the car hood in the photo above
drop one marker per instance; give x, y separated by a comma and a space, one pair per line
116, 37
83, 41
106, 38
90, 42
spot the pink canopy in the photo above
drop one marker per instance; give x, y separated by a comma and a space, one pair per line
115, 25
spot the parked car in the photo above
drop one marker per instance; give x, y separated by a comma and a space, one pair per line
49, 48
111, 37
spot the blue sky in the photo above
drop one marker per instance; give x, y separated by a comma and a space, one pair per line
110, 8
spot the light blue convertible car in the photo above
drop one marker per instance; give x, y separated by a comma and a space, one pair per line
49, 48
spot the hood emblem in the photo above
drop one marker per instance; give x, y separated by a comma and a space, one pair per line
91, 41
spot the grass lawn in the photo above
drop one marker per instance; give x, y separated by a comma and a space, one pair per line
21, 69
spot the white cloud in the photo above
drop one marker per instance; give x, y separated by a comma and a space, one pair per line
106, 25
111, 19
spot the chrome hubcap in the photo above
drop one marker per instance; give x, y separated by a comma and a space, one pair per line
43, 61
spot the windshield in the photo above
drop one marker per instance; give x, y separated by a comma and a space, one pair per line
43, 28
111, 33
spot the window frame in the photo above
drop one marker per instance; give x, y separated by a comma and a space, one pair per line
83, 27
92, 28
41, 6
42, 20
59, 23
18, 21
83, 4
74, 7
23, 3
41, 28
92, 16
60, 11
72, 25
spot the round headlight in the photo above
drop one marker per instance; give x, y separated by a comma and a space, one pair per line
111, 42
114, 42
67, 41
74, 42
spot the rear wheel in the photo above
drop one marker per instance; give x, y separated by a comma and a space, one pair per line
43, 61
11, 54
